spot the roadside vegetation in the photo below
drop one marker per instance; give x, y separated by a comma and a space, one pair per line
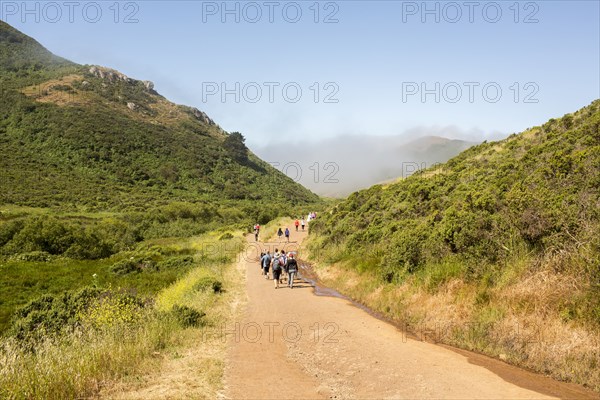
105, 323
496, 251
121, 214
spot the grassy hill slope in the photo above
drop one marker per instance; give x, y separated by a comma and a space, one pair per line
498, 250
95, 165
75, 136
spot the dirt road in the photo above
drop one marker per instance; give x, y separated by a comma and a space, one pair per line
292, 344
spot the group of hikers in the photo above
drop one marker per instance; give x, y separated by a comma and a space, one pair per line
283, 267
280, 232
280, 264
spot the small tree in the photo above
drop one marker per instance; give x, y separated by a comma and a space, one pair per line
236, 147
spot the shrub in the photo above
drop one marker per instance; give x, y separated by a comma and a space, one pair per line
175, 262
132, 265
209, 283
51, 315
8, 230
187, 316
36, 256
138, 262
226, 236
176, 228
42, 234
125, 267
88, 246
69, 238
112, 308
406, 246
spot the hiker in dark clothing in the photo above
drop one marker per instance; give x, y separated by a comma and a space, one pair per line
279, 233
277, 268
292, 269
265, 262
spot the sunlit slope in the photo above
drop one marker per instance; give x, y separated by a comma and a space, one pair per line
88, 135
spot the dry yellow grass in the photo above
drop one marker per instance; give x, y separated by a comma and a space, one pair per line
517, 324
167, 113
46, 92
193, 370
78, 365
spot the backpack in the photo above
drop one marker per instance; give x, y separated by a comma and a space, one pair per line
276, 265
266, 260
292, 265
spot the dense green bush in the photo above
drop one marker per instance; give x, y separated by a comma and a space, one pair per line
188, 316
53, 314
126, 267
8, 229
42, 234
138, 262
209, 283
407, 246
176, 262
40, 256
78, 239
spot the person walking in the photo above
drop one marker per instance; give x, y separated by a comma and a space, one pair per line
303, 223
279, 233
287, 234
265, 262
292, 269
256, 231
276, 256
283, 263
276, 267
296, 224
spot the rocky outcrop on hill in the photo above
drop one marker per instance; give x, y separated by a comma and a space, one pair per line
113, 76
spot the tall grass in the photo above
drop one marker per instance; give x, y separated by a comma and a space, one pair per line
79, 364
519, 312
113, 343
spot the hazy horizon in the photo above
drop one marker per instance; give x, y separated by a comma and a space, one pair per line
338, 166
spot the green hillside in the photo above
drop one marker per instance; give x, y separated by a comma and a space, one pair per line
97, 167
505, 232
75, 136
24, 61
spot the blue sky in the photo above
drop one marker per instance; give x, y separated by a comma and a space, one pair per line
373, 59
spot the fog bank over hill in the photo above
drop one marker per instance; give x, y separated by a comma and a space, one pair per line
338, 166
